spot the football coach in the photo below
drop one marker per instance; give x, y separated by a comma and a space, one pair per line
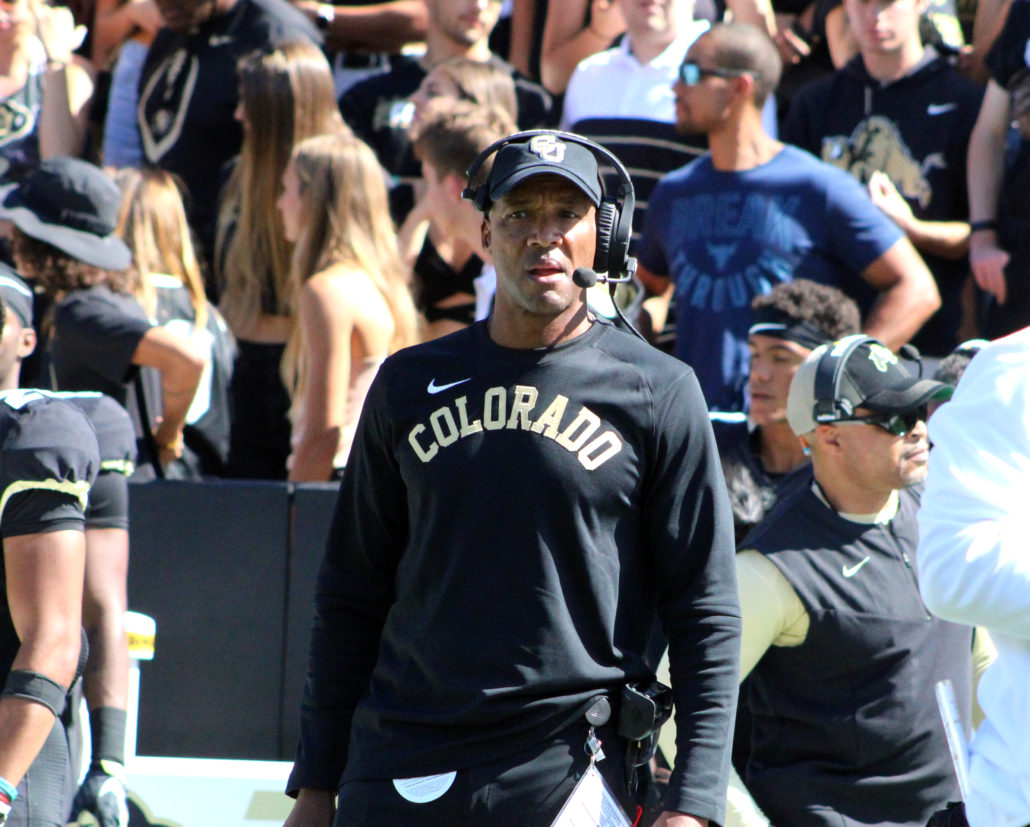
524, 499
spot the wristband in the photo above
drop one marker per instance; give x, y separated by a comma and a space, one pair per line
978, 226
8, 792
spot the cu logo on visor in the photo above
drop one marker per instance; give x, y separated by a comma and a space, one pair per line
548, 148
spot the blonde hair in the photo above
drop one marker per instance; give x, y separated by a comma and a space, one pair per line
345, 218
290, 96
153, 223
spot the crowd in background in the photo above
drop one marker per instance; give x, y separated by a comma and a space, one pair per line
297, 278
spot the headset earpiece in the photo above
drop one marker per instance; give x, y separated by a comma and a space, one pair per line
828, 375
607, 218
477, 195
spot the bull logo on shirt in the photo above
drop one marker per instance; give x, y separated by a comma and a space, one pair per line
875, 145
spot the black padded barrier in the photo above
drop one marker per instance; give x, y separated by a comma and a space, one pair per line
208, 561
312, 513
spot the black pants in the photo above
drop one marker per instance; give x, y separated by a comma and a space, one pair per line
45, 793
523, 790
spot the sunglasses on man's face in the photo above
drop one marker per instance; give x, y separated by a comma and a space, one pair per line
691, 74
895, 424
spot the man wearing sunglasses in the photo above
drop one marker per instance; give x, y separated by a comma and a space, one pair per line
842, 654
752, 213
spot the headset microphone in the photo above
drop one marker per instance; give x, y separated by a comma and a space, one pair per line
584, 277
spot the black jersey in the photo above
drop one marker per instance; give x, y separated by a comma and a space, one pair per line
49, 458
507, 523
108, 505
113, 427
189, 90
1009, 64
915, 130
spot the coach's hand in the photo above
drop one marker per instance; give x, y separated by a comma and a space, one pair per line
313, 808
671, 819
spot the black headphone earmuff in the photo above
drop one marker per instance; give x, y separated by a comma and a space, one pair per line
829, 373
614, 214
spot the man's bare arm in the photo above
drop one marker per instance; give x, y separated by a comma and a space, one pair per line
908, 294
382, 27
984, 172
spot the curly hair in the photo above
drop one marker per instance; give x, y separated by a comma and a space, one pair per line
59, 272
820, 304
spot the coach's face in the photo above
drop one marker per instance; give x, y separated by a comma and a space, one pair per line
878, 460
537, 235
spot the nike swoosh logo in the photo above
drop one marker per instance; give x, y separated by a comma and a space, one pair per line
851, 571
940, 108
435, 388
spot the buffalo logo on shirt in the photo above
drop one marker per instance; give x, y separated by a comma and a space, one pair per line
580, 432
875, 145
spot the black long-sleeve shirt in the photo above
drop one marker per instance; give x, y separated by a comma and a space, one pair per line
508, 524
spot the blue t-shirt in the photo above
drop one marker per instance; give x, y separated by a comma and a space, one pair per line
726, 237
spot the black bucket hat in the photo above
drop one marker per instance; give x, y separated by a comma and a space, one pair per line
72, 205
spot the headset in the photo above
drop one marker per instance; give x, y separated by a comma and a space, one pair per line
614, 214
829, 373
